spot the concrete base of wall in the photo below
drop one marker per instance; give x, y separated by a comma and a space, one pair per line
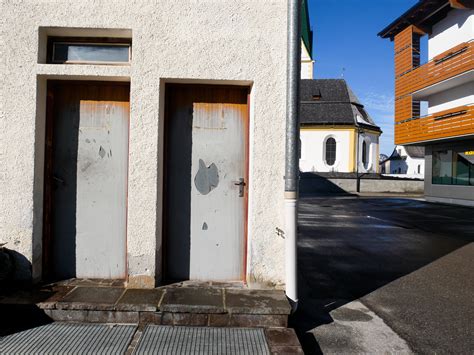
319, 183
451, 201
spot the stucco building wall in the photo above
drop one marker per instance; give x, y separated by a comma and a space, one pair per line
226, 42
313, 158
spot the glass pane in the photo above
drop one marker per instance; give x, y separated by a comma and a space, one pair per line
464, 167
460, 170
442, 167
330, 151
77, 52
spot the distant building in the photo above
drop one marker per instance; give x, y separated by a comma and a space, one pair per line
307, 62
337, 134
446, 83
406, 160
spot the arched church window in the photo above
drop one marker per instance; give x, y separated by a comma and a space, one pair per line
330, 151
365, 154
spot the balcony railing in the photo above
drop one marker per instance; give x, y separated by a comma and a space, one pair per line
446, 65
455, 122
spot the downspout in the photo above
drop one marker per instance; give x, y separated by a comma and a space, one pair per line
291, 147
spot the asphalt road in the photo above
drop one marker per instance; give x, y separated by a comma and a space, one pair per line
385, 274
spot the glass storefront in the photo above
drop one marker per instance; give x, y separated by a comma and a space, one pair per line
453, 167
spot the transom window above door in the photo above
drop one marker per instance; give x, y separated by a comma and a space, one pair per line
111, 51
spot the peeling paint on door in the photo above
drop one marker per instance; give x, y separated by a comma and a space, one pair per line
207, 178
218, 136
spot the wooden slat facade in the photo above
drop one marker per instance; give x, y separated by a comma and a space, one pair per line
455, 122
410, 78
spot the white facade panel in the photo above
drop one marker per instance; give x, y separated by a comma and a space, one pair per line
456, 28
454, 97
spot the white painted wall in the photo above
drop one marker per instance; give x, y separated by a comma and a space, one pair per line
372, 141
454, 97
189, 41
307, 63
457, 27
313, 150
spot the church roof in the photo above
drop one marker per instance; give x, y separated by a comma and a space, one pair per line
332, 102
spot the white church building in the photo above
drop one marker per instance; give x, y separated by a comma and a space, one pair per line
337, 134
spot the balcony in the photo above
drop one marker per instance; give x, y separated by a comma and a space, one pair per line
453, 62
455, 122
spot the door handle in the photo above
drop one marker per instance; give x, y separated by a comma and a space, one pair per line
241, 184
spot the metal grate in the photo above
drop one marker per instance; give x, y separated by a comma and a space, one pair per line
61, 338
201, 340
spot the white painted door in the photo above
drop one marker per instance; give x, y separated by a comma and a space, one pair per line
218, 197
90, 163
102, 189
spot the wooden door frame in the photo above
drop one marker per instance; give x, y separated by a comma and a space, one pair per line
166, 87
47, 237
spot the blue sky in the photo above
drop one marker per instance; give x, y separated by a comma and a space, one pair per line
345, 36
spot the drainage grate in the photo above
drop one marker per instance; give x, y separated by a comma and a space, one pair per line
201, 340
60, 338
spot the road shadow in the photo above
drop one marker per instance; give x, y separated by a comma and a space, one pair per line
350, 247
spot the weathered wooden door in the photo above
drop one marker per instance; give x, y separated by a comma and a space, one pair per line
89, 179
206, 182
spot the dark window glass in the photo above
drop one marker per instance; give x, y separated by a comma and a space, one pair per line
330, 151
364, 154
442, 167
88, 52
463, 168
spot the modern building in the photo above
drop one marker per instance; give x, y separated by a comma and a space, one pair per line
405, 160
337, 134
144, 141
446, 83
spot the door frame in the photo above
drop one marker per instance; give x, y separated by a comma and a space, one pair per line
167, 87
47, 273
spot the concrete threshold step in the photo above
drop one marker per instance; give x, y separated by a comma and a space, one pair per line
170, 305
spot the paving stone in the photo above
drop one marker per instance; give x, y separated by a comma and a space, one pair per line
167, 318
60, 315
57, 293
139, 300
150, 317
277, 350
281, 337
219, 320
258, 320
70, 315
193, 300
112, 317
91, 298
256, 302
228, 285
190, 319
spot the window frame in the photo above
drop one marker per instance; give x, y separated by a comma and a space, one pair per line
326, 151
102, 41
